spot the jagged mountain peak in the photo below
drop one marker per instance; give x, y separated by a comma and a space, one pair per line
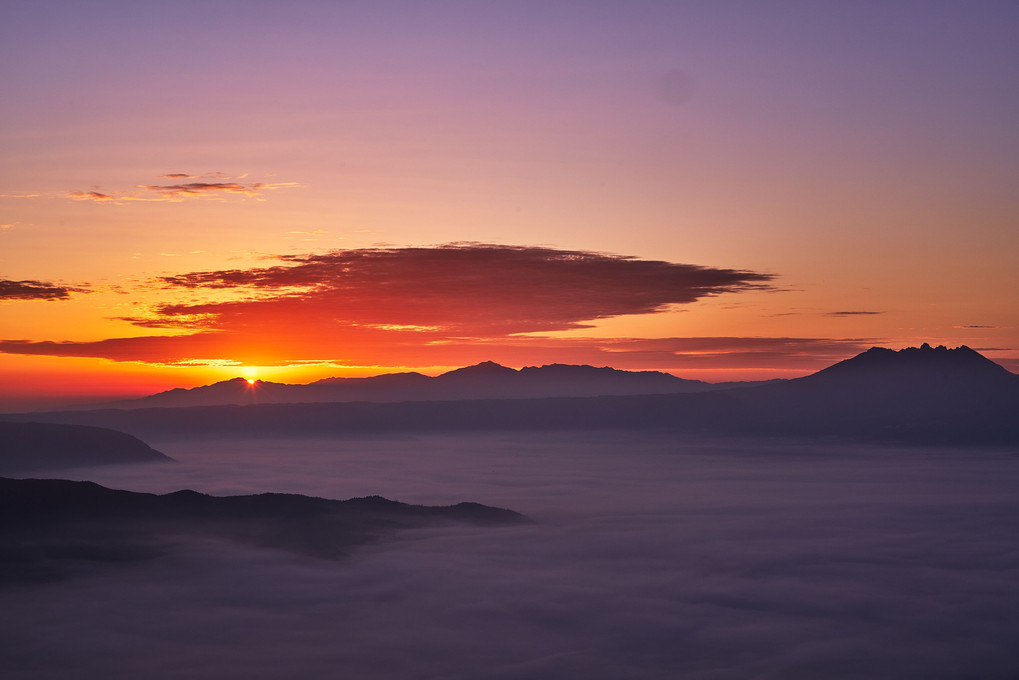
924, 358
916, 374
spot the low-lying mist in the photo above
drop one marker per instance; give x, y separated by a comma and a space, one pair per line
649, 558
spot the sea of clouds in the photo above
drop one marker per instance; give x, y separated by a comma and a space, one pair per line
649, 557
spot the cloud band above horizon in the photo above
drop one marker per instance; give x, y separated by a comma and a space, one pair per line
386, 304
472, 289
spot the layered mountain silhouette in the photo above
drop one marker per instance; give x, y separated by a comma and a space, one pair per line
487, 380
922, 395
26, 447
52, 528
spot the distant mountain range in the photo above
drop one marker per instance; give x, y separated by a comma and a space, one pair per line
487, 380
923, 395
51, 529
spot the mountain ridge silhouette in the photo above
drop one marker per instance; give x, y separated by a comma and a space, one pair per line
937, 403
487, 380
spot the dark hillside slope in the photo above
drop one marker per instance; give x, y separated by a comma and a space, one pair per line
47, 446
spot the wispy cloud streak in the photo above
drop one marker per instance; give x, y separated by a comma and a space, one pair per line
184, 190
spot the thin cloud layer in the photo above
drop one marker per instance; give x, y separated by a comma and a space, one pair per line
205, 188
184, 190
411, 348
35, 290
726, 352
96, 196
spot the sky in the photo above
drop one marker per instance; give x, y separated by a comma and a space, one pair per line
722, 190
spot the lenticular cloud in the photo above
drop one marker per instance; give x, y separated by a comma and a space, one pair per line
380, 305
466, 288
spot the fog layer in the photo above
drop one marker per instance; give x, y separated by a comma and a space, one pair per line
650, 558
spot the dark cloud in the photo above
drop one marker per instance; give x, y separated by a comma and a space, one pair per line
978, 327
465, 289
177, 175
852, 313
206, 348
35, 290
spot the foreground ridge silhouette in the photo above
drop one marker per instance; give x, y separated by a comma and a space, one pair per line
51, 528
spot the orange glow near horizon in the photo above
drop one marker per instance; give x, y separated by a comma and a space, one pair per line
40, 382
